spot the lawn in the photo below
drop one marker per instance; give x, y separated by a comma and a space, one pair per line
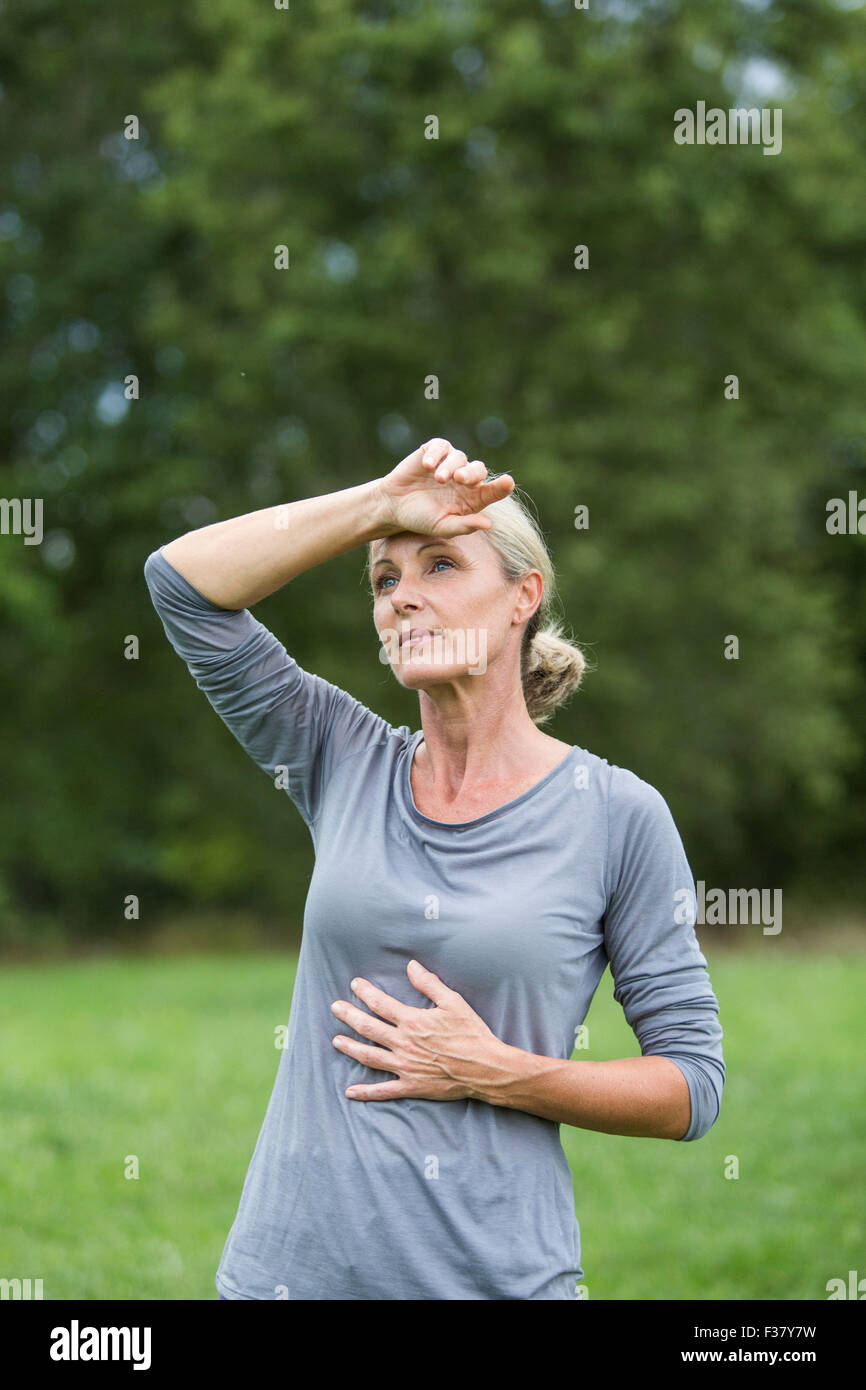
168, 1062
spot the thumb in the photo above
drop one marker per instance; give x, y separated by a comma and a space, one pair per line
460, 525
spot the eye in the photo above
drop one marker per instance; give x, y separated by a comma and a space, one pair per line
440, 560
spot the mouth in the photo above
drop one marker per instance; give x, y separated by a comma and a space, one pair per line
417, 634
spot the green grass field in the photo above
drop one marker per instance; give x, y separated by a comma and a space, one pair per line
172, 1060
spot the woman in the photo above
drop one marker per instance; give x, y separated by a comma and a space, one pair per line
472, 880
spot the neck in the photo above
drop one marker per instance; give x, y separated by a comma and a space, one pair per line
464, 744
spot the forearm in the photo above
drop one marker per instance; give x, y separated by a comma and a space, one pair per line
638, 1096
236, 563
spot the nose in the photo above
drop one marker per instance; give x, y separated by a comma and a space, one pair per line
403, 600
406, 604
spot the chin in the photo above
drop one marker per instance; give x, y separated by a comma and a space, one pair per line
421, 672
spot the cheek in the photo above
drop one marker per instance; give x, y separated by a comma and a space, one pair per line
382, 616
486, 620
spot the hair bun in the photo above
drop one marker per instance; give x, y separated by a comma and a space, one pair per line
552, 672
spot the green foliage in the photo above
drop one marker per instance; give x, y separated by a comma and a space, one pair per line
411, 257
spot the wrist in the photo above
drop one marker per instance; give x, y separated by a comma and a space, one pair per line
378, 510
496, 1072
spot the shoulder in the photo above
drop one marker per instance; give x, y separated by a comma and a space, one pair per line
627, 795
642, 835
631, 797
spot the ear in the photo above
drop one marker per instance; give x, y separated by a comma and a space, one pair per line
529, 596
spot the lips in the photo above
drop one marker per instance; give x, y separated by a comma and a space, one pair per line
417, 632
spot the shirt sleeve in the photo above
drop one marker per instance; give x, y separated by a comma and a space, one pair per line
660, 974
293, 724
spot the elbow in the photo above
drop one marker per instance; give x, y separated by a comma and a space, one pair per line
682, 1111
701, 1121
151, 564
704, 1085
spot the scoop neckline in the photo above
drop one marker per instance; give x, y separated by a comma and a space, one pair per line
488, 815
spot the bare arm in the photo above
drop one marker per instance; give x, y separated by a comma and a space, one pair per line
434, 490
238, 562
639, 1096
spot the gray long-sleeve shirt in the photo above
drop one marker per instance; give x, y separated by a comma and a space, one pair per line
518, 910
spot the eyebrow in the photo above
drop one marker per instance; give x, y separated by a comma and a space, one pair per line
386, 560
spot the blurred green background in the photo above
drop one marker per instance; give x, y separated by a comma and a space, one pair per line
409, 258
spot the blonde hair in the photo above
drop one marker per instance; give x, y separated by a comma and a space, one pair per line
551, 665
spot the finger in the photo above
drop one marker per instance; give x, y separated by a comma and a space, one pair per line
451, 526
496, 489
428, 983
382, 1090
434, 451
379, 1058
384, 1004
456, 459
481, 496
469, 473
363, 1023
